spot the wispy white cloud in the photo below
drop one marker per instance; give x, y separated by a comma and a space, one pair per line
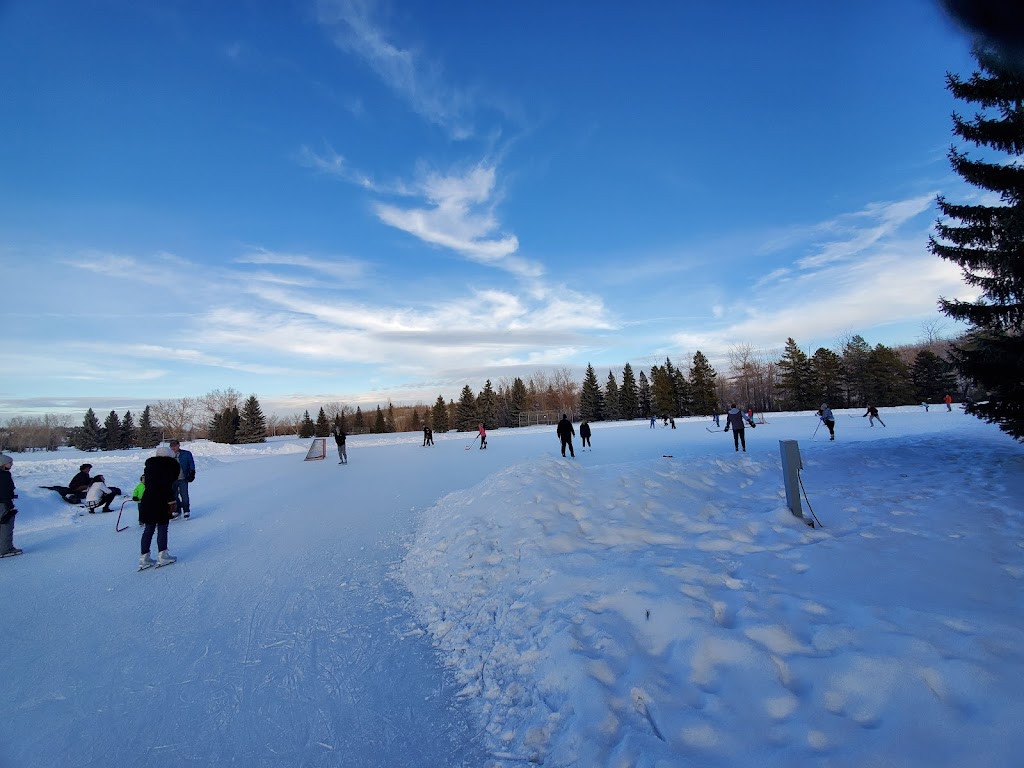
873, 272
340, 267
459, 215
418, 81
851, 235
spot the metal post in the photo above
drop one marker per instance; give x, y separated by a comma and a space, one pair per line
791, 466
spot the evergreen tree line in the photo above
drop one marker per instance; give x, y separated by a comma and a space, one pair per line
855, 376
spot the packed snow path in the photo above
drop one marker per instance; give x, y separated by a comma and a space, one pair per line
279, 637
651, 603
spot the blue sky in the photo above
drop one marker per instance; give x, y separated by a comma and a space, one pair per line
360, 201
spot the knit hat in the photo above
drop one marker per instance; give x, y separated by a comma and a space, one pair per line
5, 460
163, 450
84, 467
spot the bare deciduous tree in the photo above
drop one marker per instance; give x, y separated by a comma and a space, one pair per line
176, 417
216, 401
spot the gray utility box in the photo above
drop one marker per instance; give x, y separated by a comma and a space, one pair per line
791, 466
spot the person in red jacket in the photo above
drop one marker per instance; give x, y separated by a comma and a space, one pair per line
483, 435
948, 400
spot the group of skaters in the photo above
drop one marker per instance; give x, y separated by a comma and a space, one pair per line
162, 495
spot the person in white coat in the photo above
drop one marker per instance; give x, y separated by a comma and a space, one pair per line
99, 495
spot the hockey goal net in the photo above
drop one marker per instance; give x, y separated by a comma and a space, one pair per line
317, 450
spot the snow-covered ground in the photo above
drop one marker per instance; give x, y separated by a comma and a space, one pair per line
650, 603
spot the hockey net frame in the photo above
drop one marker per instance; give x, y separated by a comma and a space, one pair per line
317, 449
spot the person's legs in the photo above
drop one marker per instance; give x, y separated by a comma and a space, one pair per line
831, 429
743, 439
563, 446
571, 451
736, 439
147, 537
344, 454
107, 498
161, 537
181, 492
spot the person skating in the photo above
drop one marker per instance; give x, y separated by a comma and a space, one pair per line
828, 419
872, 414
7, 508
585, 435
339, 440
428, 436
186, 475
734, 420
158, 506
566, 433
948, 400
483, 435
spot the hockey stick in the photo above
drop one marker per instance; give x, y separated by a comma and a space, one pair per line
816, 429
117, 524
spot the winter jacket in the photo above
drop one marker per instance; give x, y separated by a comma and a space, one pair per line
826, 414
161, 474
95, 494
339, 437
584, 429
7, 510
187, 464
565, 430
139, 490
80, 483
734, 419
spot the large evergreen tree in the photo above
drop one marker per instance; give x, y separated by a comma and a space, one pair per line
111, 435
643, 396
703, 386
487, 406
439, 415
854, 369
681, 390
987, 241
148, 435
629, 402
253, 427
323, 424
611, 398
663, 391
796, 378
129, 432
826, 377
306, 427
465, 414
87, 436
889, 380
591, 399
379, 425
517, 401
358, 422
932, 376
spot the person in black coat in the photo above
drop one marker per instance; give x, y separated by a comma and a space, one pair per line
339, 440
7, 508
565, 434
585, 434
158, 504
